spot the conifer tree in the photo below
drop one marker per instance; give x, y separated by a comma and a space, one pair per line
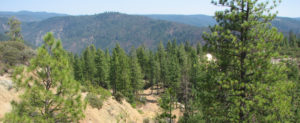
102, 68
78, 68
136, 75
155, 71
293, 39
162, 61
243, 84
15, 30
199, 49
89, 64
50, 92
167, 104
143, 57
120, 72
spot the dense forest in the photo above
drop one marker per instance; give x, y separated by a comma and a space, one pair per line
247, 71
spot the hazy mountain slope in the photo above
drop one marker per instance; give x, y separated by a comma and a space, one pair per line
105, 30
28, 16
3, 27
195, 20
284, 24
3, 24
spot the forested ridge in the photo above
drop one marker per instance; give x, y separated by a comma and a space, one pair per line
104, 30
247, 71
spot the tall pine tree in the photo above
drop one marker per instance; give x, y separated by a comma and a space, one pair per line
244, 86
50, 92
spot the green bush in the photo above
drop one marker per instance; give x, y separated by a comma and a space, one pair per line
14, 53
104, 93
146, 120
94, 100
119, 96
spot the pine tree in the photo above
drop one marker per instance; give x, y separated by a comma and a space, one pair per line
89, 64
143, 57
293, 39
161, 54
120, 72
15, 30
185, 84
167, 104
50, 92
136, 73
78, 68
155, 71
102, 69
243, 85
199, 49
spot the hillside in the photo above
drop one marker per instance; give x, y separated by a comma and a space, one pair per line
105, 30
194, 20
28, 16
3, 24
284, 24
111, 112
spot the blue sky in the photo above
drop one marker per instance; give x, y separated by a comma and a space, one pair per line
288, 8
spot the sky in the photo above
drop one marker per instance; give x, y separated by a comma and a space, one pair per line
288, 8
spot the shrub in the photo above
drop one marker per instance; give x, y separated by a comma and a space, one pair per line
97, 90
119, 96
104, 93
94, 100
146, 120
141, 112
14, 53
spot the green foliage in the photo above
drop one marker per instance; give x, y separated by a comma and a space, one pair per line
105, 94
102, 66
78, 68
120, 72
13, 53
89, 67
119, 96
106, 29
146, 120
135, 73
50, 92
197, 118
15, 30
167, 104
242, 85
94, 100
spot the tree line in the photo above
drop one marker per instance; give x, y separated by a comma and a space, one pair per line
239, 84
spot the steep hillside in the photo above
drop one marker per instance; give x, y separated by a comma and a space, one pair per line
111, 111
105, 30
28, 16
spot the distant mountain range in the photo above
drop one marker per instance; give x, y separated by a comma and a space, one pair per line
284, 24
106, 29
28, 16
194, 20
